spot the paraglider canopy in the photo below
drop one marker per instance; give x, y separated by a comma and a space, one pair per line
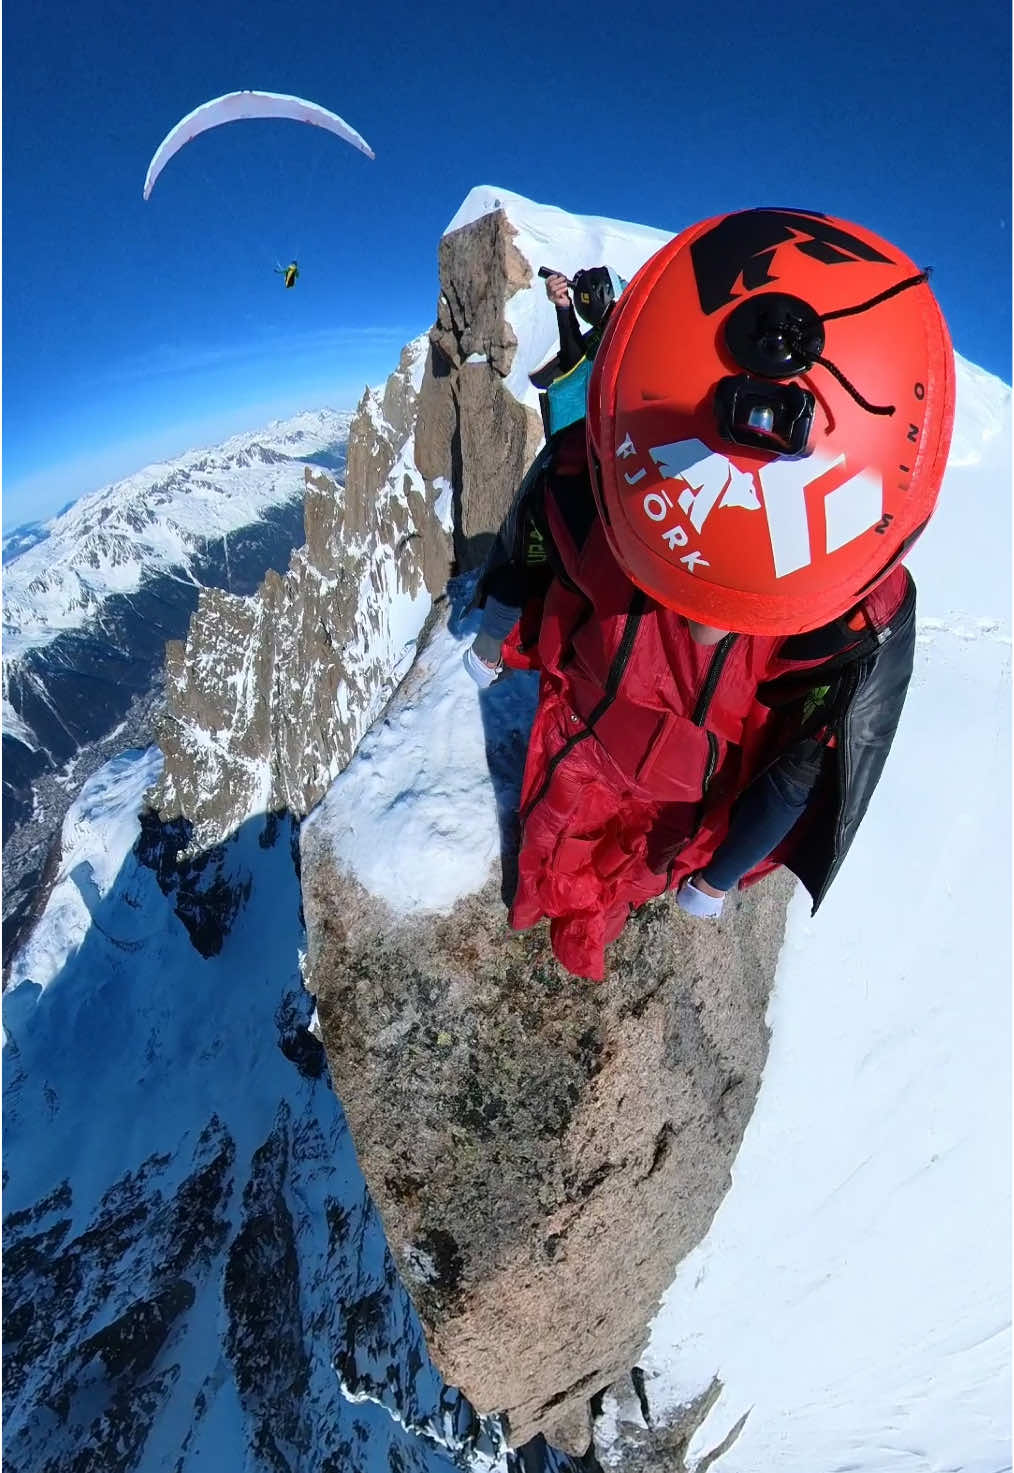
234, 107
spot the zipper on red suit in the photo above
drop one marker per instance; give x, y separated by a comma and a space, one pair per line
621, 660
711, 679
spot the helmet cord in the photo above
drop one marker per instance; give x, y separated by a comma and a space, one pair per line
893, 291
863, 403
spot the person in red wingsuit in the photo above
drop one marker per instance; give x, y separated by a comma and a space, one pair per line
723, 624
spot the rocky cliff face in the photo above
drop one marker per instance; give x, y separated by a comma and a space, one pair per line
543, 1152
195, 1276
471, 430
269, 695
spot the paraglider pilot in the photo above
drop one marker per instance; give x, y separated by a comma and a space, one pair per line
290, 273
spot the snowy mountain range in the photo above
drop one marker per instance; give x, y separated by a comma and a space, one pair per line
161, 518
90, 603
29, 534
198, 1277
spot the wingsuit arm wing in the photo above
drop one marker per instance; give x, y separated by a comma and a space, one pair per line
524, 558
766, 812
506, 577
870, 704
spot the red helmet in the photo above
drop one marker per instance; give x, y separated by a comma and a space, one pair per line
769, 417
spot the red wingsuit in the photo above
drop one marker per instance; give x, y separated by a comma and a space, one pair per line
643, 738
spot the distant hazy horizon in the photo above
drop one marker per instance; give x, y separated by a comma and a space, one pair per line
37, 497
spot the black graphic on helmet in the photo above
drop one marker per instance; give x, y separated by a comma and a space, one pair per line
743, 247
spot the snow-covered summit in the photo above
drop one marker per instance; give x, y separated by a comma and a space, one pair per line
549, 236
156, 520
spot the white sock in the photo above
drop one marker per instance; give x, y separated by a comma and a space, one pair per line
696, 903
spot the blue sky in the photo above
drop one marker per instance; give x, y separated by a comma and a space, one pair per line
136, 330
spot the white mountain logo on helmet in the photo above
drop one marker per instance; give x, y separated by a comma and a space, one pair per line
704, 480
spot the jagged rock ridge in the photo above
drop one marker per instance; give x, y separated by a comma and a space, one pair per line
270, 696
154, 521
